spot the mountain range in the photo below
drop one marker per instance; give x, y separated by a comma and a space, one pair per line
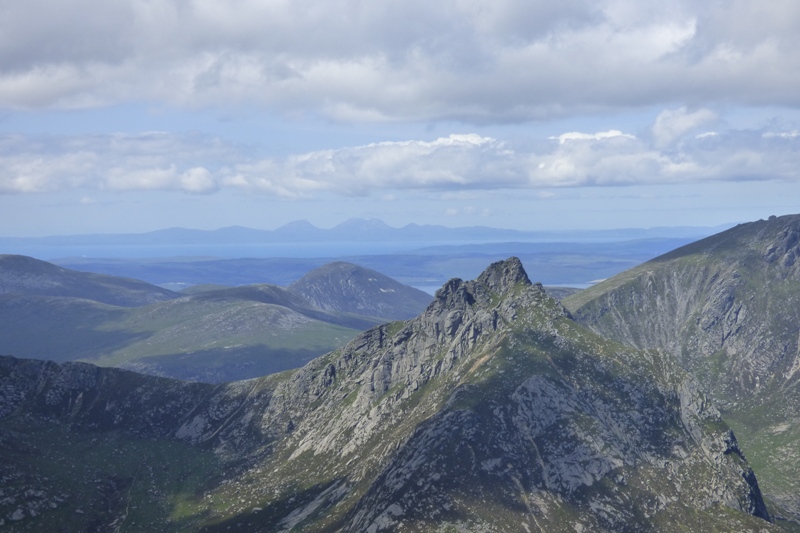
491, 411
353, 230
493, 408
213, 334
557, 263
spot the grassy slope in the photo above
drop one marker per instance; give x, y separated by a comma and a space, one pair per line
225, 339
207, 339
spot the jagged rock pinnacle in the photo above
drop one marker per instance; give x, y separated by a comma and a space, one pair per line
498, 279
504, 275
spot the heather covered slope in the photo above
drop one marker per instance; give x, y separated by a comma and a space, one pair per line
491, 411
728, 308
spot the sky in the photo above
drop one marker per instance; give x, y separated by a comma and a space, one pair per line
137, 115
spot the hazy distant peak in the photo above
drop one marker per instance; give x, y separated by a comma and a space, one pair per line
25, 275
296, 226
28, 265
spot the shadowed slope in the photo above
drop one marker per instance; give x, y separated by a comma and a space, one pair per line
728, 308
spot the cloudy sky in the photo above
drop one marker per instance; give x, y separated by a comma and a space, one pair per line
136, 115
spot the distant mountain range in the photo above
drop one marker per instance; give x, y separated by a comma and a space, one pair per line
353, 230
421, 256
574, 264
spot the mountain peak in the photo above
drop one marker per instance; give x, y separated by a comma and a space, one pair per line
297, 226
345, 287
504, 275
499, 279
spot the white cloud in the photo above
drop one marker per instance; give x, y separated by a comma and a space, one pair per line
457, 161
579, 136
151, 161
194, 180
468, 211
508, 60
672, 124
781, 134
457, 167
706, 135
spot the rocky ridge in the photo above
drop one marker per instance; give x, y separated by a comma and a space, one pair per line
726, 308
491, 411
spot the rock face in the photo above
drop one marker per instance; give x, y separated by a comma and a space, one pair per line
349, 288
727, 308
28, 276
491, 411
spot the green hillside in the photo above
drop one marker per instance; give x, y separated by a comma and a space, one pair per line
195, 337
217, 334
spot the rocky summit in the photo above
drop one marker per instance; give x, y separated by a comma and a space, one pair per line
491, 411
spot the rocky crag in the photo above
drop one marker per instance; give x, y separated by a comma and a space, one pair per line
491, 411
727, 307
